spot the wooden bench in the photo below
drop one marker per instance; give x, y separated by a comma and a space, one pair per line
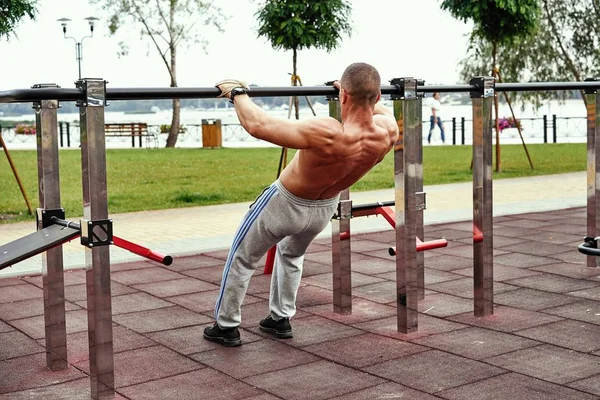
131, 129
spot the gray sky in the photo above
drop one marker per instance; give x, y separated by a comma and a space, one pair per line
399, 37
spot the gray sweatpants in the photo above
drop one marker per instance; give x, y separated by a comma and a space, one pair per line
276, 217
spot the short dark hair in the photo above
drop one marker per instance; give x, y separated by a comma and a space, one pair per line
362, 82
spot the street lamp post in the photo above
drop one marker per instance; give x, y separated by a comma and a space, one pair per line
78, 44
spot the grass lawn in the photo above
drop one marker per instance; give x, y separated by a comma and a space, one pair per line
150, 179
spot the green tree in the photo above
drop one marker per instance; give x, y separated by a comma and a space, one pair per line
298, 24
565, 48
168, 24
12, 12
499, 23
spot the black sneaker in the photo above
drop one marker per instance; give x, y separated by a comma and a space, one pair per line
280, 329
229, 337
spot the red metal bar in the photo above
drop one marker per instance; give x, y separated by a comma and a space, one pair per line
477, 235
270, 260
142, 251
424, 246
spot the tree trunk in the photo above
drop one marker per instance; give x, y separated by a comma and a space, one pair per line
497, 126
174, 132
295, 83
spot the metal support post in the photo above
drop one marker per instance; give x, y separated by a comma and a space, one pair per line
52, 259
407, 111
419, 194
95, 208
340, 239
483, 267
593, 169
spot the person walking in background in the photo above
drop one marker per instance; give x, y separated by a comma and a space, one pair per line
331, 156
435, 118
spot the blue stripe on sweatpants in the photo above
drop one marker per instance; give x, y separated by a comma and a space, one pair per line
240, 235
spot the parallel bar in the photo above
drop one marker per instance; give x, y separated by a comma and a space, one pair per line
95, 207
340, 241
372, 206
52, 260
28, 95
593, 170
483, 282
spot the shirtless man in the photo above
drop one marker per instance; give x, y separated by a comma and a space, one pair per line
292, 211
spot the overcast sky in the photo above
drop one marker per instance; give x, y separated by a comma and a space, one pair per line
399, 37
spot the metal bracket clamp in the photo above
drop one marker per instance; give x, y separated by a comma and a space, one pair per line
94, 92
407, 88
591, 90
485, 87
331, 97
420, 83
344, 210
45, 216
421, 200
96, 233
37, 105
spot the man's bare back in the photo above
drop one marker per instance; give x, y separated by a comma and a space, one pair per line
323, 172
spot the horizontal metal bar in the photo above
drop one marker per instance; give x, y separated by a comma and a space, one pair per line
369, 206
61, 94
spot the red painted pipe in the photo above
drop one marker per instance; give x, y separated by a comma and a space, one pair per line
270, 260
477, 235
424, 246
142, 251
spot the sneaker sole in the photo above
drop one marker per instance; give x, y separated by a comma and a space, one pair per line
278, 334
224, 342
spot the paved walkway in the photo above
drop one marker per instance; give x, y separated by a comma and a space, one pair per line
188, 231
541, 343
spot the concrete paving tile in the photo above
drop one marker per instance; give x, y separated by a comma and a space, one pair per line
363, 350
464, 287
325, 281
183, 263
311, 268
590, 294
78, 389
514, 386
71, 277
519, 260
362, 310
207, 274
76, 321
553, 237
11, 281
513, 231
587, 310
549, 363
532, 299
175, 287
27, 308
538, 248
552, 283
476, 343
160, 319
30, 372
523, 223
389, 390
575, 335
450, 263
253, 312
383, 292
314, 381
12, 293
367, 246
123, 340
190, 340
146, 275
254, 358
311, 330
444, 305
147, 364
134, 302
16, 344
427, 325
131, 266
76, 293
589, 385
456, 249
571, 256
4, 327
572, 270
260, 283
567, 227
374, 265
506, 319
210, 383
309, 295
437, 232
502, 272
433, 371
